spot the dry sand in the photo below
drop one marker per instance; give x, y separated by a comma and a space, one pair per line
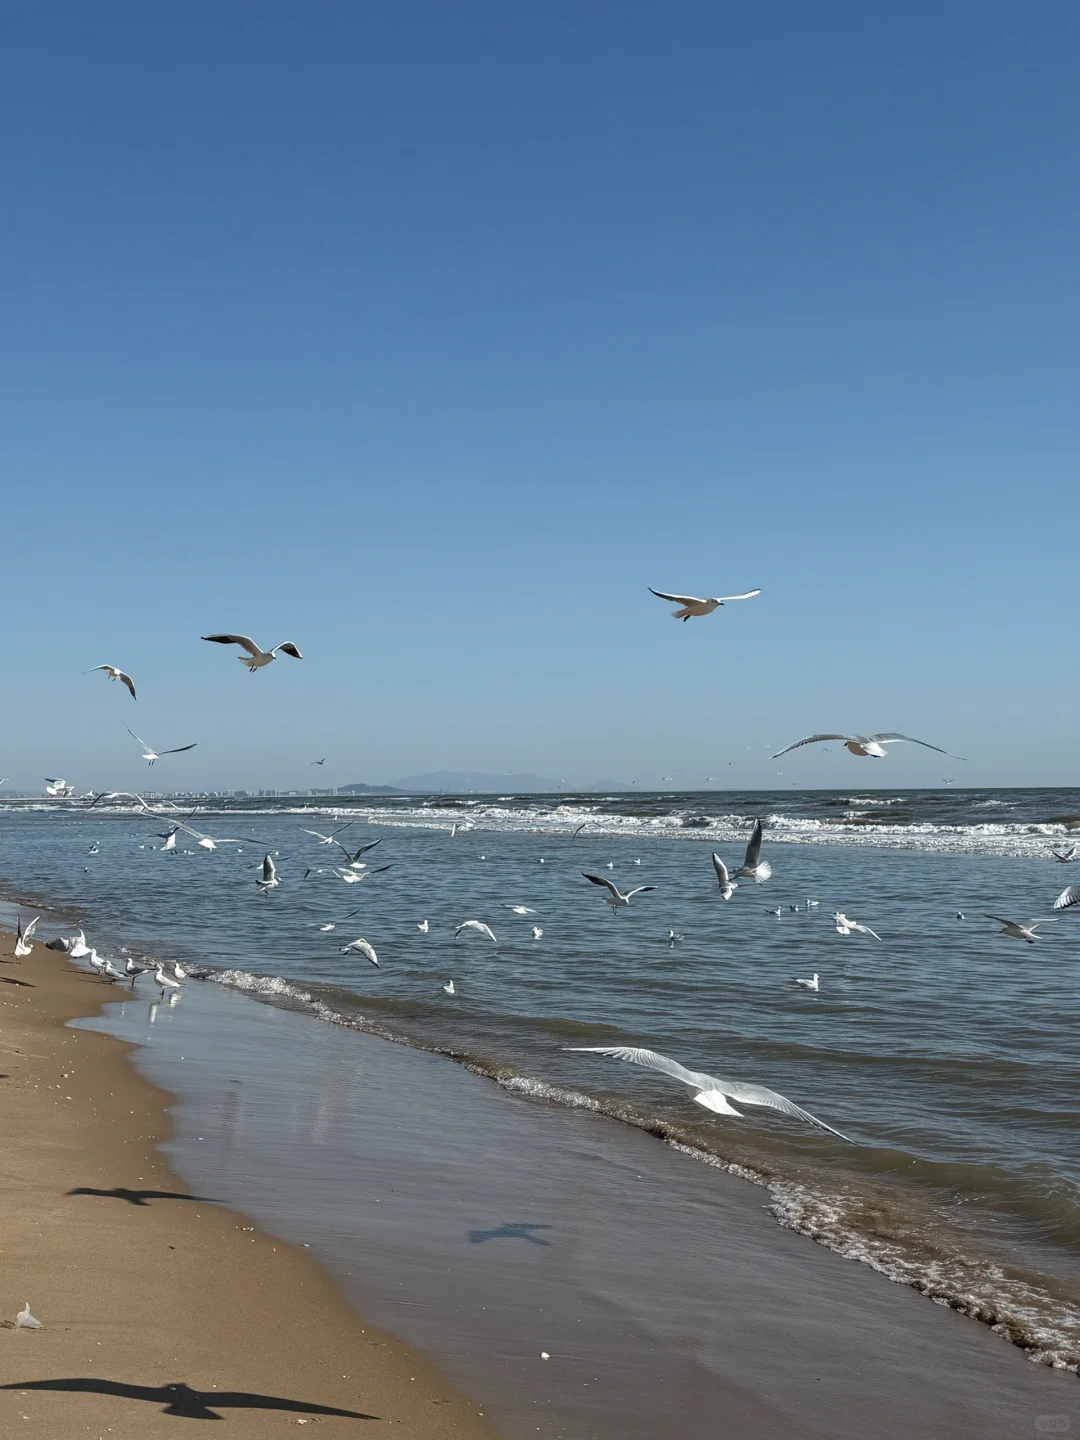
158, 1305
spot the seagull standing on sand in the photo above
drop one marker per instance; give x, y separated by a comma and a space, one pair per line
361, 947
76, 947
690, 606
844, 926
616, 899
164, 981
255, 659
1018, 932
478, 926
116, 674
866, 744
723, 879
152, 755
23, 935
752, 867
707, 1090
25, 1321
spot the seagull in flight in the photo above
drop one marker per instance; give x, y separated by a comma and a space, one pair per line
1019, 932
521, 909
1068, 898
616, 899
1069, 854
723, 879
329, 839
706, 1090
204, 841
690, 605
866, 744
320, 762
152, 755
844, 926
23, 935
352, 857
115, 673
752, 867
478, 926
361, 947
255, 659
269, 879
353, 877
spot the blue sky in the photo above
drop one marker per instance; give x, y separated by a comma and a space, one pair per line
429, 335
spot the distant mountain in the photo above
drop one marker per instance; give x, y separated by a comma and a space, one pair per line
358, 789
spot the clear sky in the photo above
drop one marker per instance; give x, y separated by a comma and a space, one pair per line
428, 335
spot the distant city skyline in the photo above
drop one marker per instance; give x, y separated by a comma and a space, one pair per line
429, 337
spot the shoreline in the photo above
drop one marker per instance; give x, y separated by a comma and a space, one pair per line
158, 1303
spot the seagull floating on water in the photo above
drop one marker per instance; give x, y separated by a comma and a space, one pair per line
811, 984
537, 932
255, 659
423, 927
866, 744
114, 673
448, 988
706, 1090
617, 900
1018, 932
690, 606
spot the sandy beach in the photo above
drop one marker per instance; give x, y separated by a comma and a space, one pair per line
159, 1304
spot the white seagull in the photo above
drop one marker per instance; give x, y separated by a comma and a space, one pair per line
616, 898
844, 926
707, 1090
537, 932
329, 839
866, 744
204, 841
23, 935
811, 984
752, 867
521, 909
361, 947
255, 659
423, 927
269, 879
1070, 854
448, 988
723, 879
165, 981
1068, 898
114, 673
152, 755
1018, 932
25, 1321
690, 605
478, 926
353, 877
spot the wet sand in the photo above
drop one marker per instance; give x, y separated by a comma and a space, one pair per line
487, 1228
158, 1304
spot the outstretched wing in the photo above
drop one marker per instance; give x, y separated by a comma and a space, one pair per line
722, 876
999, 918
652, 1061
677, 599
748, 595
126, 680
180, 749
772, 1100
248, 644
753, 850
890, 735
810, 740
141, 741
639, 891
288, 648
268, 869
1068, 898
608, 885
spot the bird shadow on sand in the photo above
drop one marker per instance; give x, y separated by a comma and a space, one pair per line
141, 1197
180, 1399
11, 980
511, 1231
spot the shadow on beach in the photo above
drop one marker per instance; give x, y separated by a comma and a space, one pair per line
179, 1399
141, 1197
